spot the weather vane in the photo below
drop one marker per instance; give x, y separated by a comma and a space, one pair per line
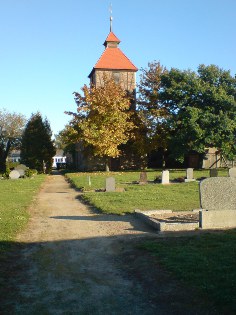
111, 18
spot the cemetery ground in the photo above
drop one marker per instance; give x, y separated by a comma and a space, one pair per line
73, 259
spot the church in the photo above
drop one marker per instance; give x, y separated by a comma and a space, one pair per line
113, 63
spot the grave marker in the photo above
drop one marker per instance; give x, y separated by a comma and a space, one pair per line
165, 177
218, 193
21, 166
232, 172
218, 199
143, 178
189, 175
110, 184
14, 174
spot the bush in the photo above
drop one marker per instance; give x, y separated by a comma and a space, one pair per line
30, 172
6, 174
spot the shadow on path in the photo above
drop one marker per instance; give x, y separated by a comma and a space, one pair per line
99, 275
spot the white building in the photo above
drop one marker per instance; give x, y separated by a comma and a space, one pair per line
58, 158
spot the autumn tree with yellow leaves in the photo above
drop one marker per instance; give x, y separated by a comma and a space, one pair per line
103, 118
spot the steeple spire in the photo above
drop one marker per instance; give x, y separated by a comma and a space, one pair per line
111, 18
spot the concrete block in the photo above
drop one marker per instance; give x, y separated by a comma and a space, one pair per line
217, 219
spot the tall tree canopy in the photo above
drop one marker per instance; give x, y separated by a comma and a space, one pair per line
37, 147
197, 109
103, 119
11, 127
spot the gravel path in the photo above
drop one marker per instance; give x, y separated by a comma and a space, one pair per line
71, 260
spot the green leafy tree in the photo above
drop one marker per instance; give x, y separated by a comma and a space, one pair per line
37, 147
11, 127
201, 110
103, 118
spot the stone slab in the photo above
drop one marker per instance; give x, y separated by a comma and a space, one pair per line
143, 178
163, 226
149, 212
21, 166
217, 219
165, 177
110, 184
232, 172
14, 174
188, 180
21, 171
189, 173
218, 193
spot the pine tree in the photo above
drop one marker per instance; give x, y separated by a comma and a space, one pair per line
37, 147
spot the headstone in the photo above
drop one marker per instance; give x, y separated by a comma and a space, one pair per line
218, 193
165, 177
110, 184
14, 174
213, 172
143, 178
21, 171
21, 166
232, 172
189, 175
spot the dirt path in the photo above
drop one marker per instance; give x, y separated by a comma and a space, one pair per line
71, 260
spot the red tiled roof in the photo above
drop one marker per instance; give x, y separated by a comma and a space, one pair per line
114, 58
112, 38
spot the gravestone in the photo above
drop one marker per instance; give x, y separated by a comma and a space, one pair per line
89, 181
213, 172
110, 184
189, 175
21, 166
21, 171
14, 174
218, 200
218, 193
232, 172
165, 177
143, 178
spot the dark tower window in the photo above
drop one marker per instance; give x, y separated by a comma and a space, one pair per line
116, 76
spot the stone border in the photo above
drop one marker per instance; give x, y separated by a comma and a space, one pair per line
163, 226
217, 219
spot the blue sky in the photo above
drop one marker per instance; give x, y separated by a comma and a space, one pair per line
48, 47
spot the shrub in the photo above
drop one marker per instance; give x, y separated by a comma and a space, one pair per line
30, 172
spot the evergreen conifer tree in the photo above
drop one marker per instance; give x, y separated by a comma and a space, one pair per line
37, 147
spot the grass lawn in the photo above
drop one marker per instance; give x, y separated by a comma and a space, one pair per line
176, 196
16, 196
205, 262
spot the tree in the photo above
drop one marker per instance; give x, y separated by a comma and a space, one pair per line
189, 110
152, 112
103, 118
11, 127
202, 110
37, 147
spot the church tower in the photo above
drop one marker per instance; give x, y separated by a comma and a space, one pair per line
114, 64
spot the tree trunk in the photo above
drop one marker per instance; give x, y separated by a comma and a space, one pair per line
107, 164
2, 161
2, 164
163, 159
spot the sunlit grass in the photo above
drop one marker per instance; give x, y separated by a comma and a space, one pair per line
16, 196
176, 196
